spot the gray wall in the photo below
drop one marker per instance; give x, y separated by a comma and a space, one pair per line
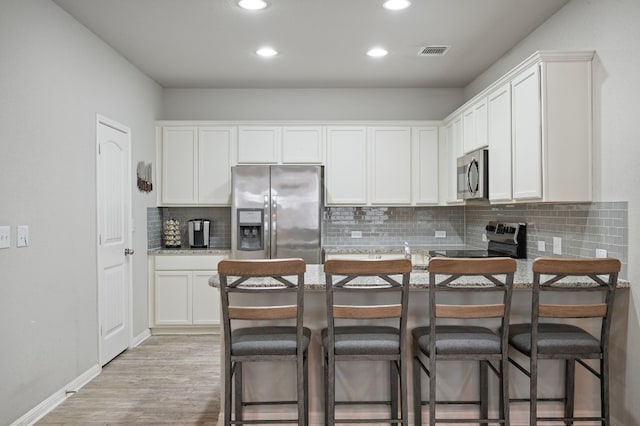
610, 27
54, 78
310, 104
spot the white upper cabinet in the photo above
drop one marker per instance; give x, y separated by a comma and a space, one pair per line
499, 135
526, 143
552, 129
453, 136
215, 154
280, 144
346, 168
425, 158
390, 165
302, 144
474, 126
259, 144
382, 165
179, 148
196, 165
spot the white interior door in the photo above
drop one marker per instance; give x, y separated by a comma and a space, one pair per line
114, 237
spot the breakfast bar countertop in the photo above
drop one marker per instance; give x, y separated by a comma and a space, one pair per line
314, 279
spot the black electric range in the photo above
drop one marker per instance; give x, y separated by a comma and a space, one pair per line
506, 239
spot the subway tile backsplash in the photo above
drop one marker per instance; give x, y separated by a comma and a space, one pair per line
220, 228
583, 227
392, 226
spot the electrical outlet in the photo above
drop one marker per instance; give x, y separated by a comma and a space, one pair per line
600, 253
441, 234
5, 236
542, 246
356, 234
557, 245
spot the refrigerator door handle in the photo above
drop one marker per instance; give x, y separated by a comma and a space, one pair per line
274, 229
267, 222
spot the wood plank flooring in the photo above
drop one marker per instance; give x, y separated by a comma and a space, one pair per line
166, 380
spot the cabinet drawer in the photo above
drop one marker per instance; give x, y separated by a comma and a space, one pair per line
187, 262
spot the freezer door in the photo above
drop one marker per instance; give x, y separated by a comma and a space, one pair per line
296, 207
250, 191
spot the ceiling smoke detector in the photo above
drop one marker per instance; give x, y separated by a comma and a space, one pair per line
433, 50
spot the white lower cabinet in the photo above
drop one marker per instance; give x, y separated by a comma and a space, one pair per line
181, 299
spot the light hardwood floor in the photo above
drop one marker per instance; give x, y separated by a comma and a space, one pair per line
166, 380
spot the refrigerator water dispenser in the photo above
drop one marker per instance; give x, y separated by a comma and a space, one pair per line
250, 229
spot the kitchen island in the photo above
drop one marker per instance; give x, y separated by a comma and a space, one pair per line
458, 380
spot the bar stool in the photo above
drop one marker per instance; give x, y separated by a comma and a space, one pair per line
552, 339
463, 333
263, 342
354, 332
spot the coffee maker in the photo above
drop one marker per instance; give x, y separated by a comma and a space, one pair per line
199, 233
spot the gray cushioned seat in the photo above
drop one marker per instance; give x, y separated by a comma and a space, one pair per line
459, 339
554, 338
364, 339
274, 340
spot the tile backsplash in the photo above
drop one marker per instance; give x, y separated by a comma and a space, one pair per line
220, 228
583, 227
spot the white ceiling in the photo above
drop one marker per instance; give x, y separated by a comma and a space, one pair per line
211, 43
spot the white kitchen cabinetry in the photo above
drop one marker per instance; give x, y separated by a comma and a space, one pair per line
539, 127
346, 167
390, 165
553, 162
181, 298
526, 141
280, 144
195, 165
425, 158
258, 144
382, 165
302, 144
474, 126
499, 131
453, 136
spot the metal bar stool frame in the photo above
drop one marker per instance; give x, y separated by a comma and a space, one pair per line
533, 339
450, 344
394, 276
287, 276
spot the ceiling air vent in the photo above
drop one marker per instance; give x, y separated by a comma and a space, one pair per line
433, 50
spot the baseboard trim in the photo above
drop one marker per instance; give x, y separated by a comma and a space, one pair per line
188, 329
136, 341
58, 397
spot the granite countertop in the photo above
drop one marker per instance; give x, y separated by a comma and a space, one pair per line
188, 251
314, 279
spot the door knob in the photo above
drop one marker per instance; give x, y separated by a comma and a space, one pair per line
128, 252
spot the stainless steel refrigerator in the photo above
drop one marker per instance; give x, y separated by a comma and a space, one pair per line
276, 212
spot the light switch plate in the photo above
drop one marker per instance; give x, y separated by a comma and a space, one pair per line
542, 246
441, 234
356, 234
557, 245
5, 236
22, 235
601, 253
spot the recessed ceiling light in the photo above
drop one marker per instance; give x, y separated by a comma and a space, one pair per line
377, 52
266, 52
396, 4
252, 4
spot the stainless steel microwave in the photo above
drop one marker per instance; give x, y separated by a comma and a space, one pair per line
473, 175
